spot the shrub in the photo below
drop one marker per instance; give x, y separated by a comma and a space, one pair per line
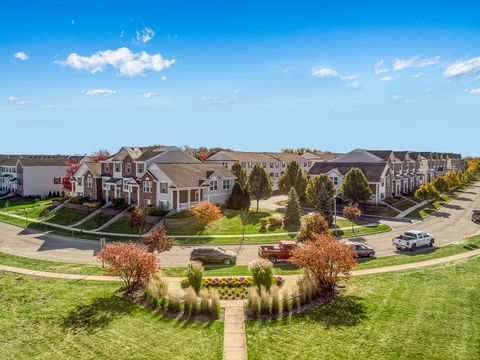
264, 301
119, 203
278, 220
274, 294
137, 218
191, 301
206, 212
204, 301
272, 221
157, 240
156, 290
253, 301
263, 223
194, 273
174, 302
285, 300
314, 224
262, 271
214, 308
130, 262
155, 211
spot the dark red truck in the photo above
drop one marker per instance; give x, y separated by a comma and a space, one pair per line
277, 253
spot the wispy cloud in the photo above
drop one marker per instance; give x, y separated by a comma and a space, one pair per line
218, 100
462, 68
95, 92
327, 72
417, 75
145, 35
414, 62
397, 98
13, 98
150, 94
21, 56
390, 77
379, 69
17, 101
122, 59
473, 91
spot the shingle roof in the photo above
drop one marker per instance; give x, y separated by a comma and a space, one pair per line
44, 160
382, 154
281, 156
9, 160
95, 168
193, 175
151, 151
401, 155
373, 171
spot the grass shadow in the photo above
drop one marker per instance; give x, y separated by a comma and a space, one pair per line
97, 314
420, 251
341, 311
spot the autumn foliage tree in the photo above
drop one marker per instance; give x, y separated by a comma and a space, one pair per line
158, 240
206, 212
100, 155
315, 224
72, 166
131, 262
427, 192
352, 213
137, 218
326, 258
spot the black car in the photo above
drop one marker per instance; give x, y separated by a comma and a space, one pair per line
215, 255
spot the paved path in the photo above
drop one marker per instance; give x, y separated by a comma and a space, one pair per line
450, 225
234, 339
411, 209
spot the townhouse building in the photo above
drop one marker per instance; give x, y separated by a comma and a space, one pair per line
163, 176
8, 174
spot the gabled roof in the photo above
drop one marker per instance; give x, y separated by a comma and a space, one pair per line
95, 168
9, 160
193, 175
373, 171
43, 160
401, 155
287, 157
382, 154
152, 151
242, 156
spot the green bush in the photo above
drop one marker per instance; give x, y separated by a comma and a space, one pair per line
262, 272
263, 222
194, 273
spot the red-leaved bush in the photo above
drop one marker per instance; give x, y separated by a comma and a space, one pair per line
158, 240
131, 262
206, 212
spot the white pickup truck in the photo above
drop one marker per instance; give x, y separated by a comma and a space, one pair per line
412, 239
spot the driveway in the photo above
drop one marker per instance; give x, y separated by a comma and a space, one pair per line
450, 225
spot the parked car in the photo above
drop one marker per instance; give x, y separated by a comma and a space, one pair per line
412, 239
363, 250
476, 215
275, 253
215, 255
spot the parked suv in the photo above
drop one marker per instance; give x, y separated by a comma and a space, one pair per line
215, 255
476, 215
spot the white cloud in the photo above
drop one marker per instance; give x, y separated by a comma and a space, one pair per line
150, 94
379, 69
122, 33
128, 63
355, 85
417, 75
414, 62
390, 77
95, 92
163, 78
21, 56
218, 100
349, 77
462, 68
326, 72
397, 97
145, 35
473, 91
13, 99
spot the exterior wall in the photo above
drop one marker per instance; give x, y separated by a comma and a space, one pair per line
39, 180
125, 164
146, 196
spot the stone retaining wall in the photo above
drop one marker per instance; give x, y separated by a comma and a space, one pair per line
176, 223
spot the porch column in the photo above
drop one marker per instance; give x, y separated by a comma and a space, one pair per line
178, 200
376, 194
189, 191
129, 196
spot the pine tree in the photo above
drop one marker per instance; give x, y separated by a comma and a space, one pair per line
293, 177
240, 173
292, 210
239, 198
259, 184
320, 193
355, 186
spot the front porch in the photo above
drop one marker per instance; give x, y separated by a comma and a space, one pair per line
183, 199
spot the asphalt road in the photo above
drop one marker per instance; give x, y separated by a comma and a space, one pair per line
450, 225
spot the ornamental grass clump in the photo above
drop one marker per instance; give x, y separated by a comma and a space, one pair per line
285, 301
174, 302
204, 301
194, 273
191, 301
275, 299
297, 300
262, 272
214, 308
264, 301
156, 290
253, 301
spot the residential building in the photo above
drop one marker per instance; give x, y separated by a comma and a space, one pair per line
87, 181
8, 173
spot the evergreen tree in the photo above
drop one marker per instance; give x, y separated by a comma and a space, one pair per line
292, 210
239, 198
259, 184
320, 193
355, 186
293, 177
240, 173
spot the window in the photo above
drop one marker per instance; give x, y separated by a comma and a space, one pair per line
283, 164
125, 184
147, 186
89, 181
225, 164
250, 165
79, 181
57, 180
244, 165
106, 168
271, 165
309, 164
148, 202
117, 167
140, 168
277, 165
264, 165
304, 164
129, 167
163, 204
214, 185
163, 187
226, 184
334, 180
272, 175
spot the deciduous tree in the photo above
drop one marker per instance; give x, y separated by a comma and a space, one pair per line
72, 166
326, 258
352, 213
292, 210
427, 192
137, 218
320, 193
259, 184
206, 212
293, 177
158, 240
130, 262
441, 184
314, 224
452, 180
240, 173
355, 186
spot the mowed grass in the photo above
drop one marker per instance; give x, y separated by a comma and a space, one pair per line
56, 319
122, 226
95, 222
66, 216
424, 211
431, 313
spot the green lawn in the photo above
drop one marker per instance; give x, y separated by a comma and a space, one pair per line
66, 216
95, 222
122, 226
55, 319
404, 205
429, 314
429, 208
22, 203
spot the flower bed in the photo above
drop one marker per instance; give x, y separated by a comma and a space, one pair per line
231, 288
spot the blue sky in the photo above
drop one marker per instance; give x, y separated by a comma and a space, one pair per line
247, 75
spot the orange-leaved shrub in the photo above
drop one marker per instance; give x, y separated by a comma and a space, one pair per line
206, 212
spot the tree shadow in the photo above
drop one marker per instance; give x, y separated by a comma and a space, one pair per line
441, 214
97, 314
453, 207
341, 311
462, 198
424, 250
